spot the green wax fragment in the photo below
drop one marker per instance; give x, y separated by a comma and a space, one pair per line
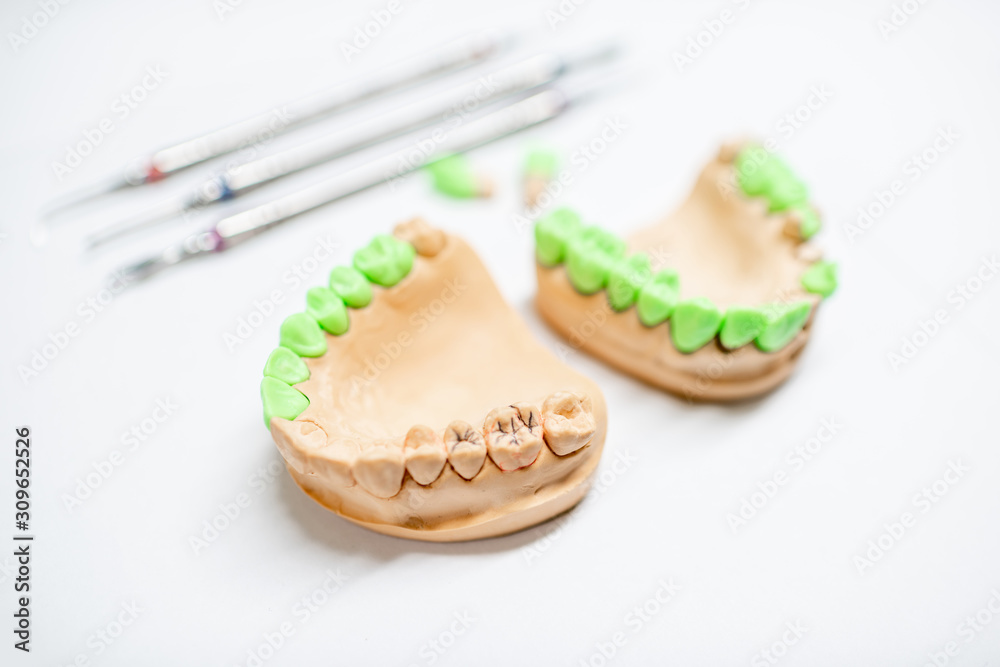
327, 308
453, 175
820, 278
741, 325
625, 279
281, 400
783, 322
589, 258
385, 261
541, 162
351, 286
553, 232
301, 334
285, 365
694, 323
658, 297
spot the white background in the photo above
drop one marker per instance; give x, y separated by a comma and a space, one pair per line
554, 594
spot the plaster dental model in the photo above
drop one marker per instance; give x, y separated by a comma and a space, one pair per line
410, 399
715, 303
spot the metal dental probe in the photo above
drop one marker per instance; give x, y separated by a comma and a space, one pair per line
235, 229
454, 56
444, 107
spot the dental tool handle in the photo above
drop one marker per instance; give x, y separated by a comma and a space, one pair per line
448, 108
456, 55
531, 111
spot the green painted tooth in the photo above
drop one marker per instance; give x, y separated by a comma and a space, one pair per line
763, 174
625, 279
783, 322
694, 323
754, 167
741, 325
350, 285
786, 191
821, 278
285, 365
301, 334
385, 261
327, 308
553, 232
541, 162
810, 222
658, 297
281, 400
590, 256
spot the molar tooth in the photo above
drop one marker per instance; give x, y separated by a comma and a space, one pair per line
568, 422
466, 448
514, 435
379, 468
424, 453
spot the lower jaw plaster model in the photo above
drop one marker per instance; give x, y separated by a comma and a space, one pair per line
730, 316
410, 399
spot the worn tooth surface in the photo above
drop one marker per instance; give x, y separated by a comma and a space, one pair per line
466, 448
568, 422
379, 469
514, 435
426, 240
425, 455
335, 462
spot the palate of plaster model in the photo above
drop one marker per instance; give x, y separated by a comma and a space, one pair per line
714, 303
410, 399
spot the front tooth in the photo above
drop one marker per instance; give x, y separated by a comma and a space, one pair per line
514, 435
568, 422
424, 453
466, 448
379, 470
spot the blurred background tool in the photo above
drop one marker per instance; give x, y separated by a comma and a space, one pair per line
454, 56
446, 108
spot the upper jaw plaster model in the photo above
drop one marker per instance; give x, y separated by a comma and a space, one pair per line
731, 315
409, 398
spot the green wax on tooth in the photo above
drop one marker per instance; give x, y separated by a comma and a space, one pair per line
301, 334
589, 258
625, 279
784, 321
741, 325
351, 286
386, 260
820, 278
810, 222
553, 232
324, 306
694, 323
658, 297
285, 365
763, 174
281, 400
